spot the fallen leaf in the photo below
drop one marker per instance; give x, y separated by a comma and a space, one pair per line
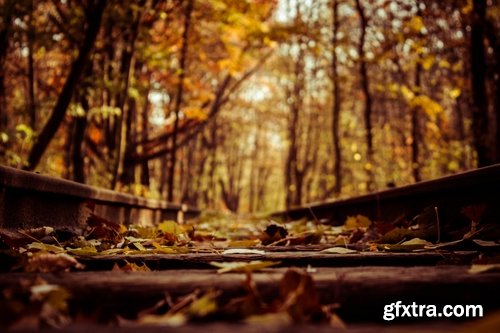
174, 320
243, 251
277, 318
487, 244
51, 262
272, 234
299, 296
45, 247
242, 266
358, 221
243, 243
85, 251
130, 267
102, 229
476, 269
169, 227
339, 250
204, 305
139, 246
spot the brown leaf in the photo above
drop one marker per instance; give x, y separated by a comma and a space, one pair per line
299, 296
13, 239
50, 262
102, 229
130, 267
272, 234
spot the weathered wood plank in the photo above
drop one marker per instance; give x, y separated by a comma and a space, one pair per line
361, 292
259, 328
291, 258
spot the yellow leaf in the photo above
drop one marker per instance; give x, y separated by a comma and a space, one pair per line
416, 24
444, 64
358, 221
45, 247
83, 251
476, 269
177, 319
242, 266
467, 8
204, 305
196, 113
407, 93
169, 227
139, 246
52, 294
428, 105
427, 62
243, 243
113, 251
455, 93
417, 241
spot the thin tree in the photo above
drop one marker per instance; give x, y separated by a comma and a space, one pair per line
178, 98
8, 12
477, 60
93, 14
365, 84
337, 169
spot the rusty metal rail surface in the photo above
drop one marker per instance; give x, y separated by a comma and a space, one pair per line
29, 199
449, 194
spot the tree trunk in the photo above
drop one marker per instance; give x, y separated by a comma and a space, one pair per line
31, 68
78, 139
363, 72
337, 168
477, 58
179, 96
212, 186
8, 13
124, 122
144, 136
291, 166
415, 127
94, 23
494, 40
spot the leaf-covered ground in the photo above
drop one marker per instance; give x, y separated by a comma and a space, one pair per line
36, 303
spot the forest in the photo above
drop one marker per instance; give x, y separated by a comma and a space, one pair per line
249, 105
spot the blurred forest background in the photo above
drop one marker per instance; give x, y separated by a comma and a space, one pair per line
249, 105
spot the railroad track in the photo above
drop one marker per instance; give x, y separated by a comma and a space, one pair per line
451, 193
32, 200
357, 285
